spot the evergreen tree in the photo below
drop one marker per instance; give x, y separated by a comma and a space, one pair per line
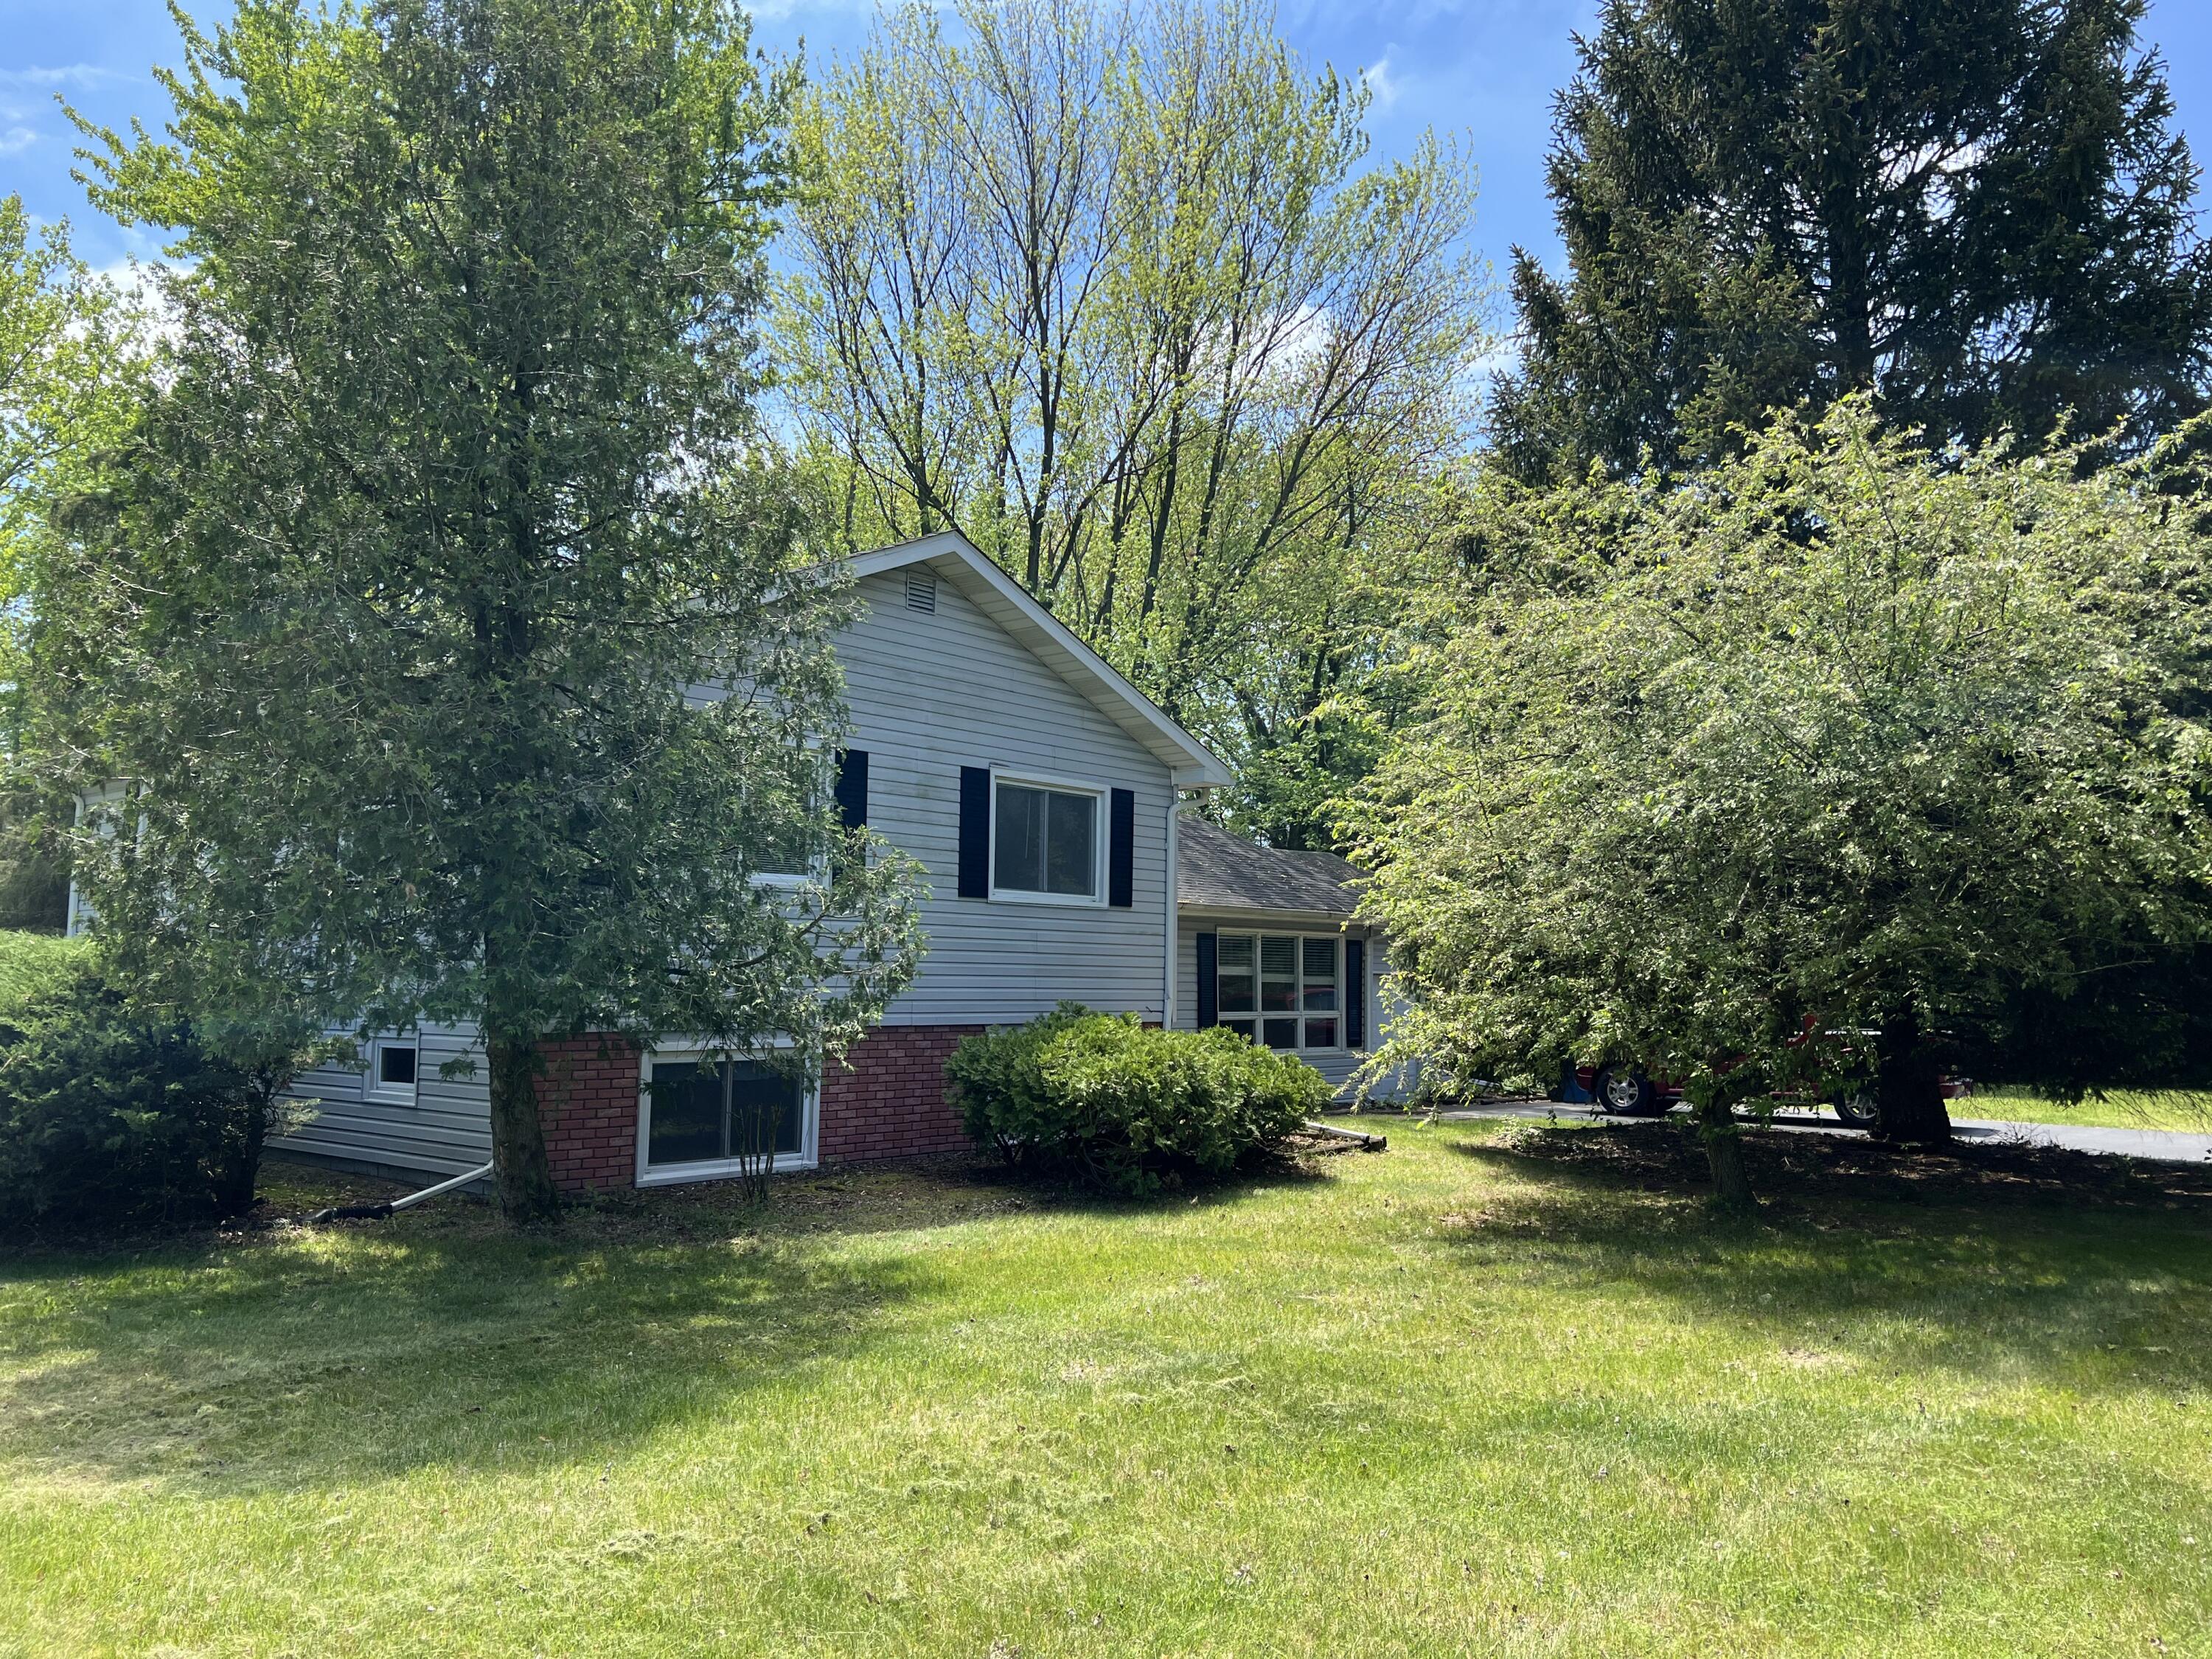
1977, 209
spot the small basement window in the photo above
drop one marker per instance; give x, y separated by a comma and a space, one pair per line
393, 1062
1282, 990
1045, 842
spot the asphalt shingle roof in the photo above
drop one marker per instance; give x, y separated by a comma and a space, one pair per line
1214, 868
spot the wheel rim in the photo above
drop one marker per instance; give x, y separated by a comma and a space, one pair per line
1623, 1093
1859, 1107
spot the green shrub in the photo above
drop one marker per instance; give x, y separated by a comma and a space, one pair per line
1000, 1088
1128, 1109
29, 962
113, 1120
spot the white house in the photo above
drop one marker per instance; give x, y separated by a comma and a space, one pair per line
1040, 790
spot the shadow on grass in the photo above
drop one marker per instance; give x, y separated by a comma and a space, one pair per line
1989, 1260
298, 1359
290, 1358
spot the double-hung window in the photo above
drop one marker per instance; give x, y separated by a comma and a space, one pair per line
1284, 990
703, 1115
1045, 842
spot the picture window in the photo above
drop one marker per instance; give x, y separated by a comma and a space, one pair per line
1284, 990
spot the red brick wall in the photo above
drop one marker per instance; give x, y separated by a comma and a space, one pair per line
891, 1103
587, 1100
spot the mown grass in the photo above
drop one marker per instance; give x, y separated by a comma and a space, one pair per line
1503, 1389
2188, 1111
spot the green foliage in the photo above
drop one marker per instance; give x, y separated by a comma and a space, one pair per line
1849, 731
29, 961
1129, 1109
1979, 210
69, 366
116, 1119
998, 1083
393, 614
1114, 290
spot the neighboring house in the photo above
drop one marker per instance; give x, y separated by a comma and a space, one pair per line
1039, 790
1267, 945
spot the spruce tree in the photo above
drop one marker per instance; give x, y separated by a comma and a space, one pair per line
1978, 210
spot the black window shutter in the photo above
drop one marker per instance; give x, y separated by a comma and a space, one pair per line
1209, 986
1355, 994
852, 787
1122, 850
974, 832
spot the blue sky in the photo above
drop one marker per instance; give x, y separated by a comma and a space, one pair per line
1483, 69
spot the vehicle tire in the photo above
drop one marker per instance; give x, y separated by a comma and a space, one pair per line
1855, 1104
1625, 1093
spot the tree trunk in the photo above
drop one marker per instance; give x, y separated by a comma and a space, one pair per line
521, 1175
1717, 1128
1909, 1086
243, 1160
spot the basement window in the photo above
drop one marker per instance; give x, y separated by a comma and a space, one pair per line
393, 1062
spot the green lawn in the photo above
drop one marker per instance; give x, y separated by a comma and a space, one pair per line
2120, 1109
1500, 1389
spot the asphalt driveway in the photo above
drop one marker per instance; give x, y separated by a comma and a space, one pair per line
2165, 1145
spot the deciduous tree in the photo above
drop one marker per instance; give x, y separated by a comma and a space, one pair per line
1117, 290
441, 620
1849, 734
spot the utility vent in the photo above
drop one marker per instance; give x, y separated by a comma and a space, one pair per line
921, 592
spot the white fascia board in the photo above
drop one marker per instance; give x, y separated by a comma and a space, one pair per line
999, 596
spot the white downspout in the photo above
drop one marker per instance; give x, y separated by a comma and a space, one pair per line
1168, 925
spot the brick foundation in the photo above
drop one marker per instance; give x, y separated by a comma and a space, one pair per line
891, 1103
887, 1101
588, 1101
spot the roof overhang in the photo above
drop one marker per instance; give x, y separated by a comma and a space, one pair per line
955, 559
1250, 912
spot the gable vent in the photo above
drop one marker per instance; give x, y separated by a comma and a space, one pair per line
921, 592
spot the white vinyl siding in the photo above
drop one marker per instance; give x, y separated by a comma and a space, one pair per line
446, 1129
932, 692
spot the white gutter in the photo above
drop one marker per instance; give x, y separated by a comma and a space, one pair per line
1168, 987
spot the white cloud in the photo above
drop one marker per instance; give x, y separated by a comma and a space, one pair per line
1379, 82
81, 76
138, 281
15, 140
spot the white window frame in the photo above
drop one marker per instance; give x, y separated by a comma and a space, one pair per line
791, 881
1100, 830
1260, 1016
718, 1169
391, 1094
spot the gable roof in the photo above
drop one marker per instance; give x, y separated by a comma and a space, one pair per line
1217, 870
957, 560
